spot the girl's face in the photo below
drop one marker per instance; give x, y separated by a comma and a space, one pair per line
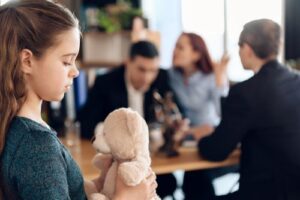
184, 55
52, 75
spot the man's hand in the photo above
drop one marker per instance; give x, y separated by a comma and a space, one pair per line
200, 132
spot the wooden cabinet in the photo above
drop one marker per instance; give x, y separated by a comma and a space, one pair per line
103, 49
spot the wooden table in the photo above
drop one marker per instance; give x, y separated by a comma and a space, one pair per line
187, 160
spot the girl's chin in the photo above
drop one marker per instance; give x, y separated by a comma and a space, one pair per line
57, 98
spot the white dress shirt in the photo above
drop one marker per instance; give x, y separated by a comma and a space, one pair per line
135, 97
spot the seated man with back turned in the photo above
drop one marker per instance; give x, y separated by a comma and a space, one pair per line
263, 114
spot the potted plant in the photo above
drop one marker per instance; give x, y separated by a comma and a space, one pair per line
117, 17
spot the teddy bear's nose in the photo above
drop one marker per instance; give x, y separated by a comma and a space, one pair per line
93, 139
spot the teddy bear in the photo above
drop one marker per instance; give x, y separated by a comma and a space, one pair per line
124, 136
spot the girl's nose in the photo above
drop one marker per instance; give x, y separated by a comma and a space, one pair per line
74, 72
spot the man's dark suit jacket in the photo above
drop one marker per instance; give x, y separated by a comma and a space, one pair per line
109, 93
263, 114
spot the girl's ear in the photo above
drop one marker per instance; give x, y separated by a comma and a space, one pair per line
26, 57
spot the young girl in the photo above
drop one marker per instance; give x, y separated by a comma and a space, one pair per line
39, 42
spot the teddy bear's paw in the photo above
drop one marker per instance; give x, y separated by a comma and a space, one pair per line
131, 174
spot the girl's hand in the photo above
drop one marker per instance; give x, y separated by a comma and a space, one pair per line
103, 163
146, 190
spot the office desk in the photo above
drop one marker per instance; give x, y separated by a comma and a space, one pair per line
187, 160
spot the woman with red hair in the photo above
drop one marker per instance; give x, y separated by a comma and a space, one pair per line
198, 83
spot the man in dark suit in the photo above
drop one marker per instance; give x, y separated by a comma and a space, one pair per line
131, 85
263, 115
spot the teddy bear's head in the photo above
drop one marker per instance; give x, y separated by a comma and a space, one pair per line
124, 134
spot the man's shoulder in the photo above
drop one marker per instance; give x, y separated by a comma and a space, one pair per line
161, 82
162, 72
267, 81
114, 75
162, 76
243, 85
119, 71
255, 81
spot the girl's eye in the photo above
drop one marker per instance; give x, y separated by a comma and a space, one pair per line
66, 64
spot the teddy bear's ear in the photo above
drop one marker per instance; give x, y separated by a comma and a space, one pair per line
135, 122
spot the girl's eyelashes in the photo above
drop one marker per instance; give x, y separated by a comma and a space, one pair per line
67, 63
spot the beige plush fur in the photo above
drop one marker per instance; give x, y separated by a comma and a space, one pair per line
124, 135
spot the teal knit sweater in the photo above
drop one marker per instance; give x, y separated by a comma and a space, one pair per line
35, 165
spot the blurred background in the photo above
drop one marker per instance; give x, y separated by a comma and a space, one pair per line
107, 33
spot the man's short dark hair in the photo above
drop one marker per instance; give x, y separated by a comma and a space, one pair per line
143, 48
263, 36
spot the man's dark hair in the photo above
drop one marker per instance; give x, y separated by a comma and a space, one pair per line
143, 48
263, 36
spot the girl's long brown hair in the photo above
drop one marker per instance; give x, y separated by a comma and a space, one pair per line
32, 25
